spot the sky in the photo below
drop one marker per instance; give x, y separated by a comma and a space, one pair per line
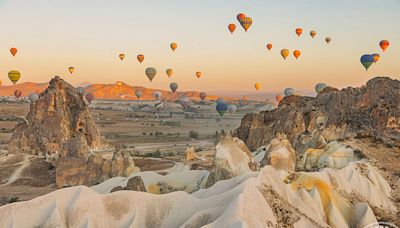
52, 35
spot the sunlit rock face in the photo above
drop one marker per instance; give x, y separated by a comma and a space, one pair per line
280, 154
372, 111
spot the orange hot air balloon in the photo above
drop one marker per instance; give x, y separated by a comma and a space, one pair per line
232, 28
169, 72
121, 56
384, 44
140, 58
173, 46
240, 17
299, 31
313, 34
296, 53
279, 98
198, 74
13, 51
285, 53
257, 86
269, 46
376, 57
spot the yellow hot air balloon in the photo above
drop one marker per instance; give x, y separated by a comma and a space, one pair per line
140, 58
246, 23
198, 74
296, 53
285, 53
14, 76
313, 34
121, 56
71, 69
169, 72
257, 86
173, 46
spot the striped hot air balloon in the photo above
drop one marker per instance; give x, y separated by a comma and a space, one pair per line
246, 23
89, 97
140, 58
151, 73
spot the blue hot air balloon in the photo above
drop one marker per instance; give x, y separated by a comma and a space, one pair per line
288, 92
320, 86
221, 108
367, 61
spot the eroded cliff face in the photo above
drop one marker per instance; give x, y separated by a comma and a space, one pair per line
371, 111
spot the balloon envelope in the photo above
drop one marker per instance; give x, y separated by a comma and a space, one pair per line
80, 91
384, 44
246, 23
299, 31
138, 93
14, 76
240, 17
269, 46
285, 53
157, 95
198, 74
257, 86
33, 97
296, 54
221, 108
220, 100
119, 83
71, 69
17, 93
328, 40
376, 57
151, 73
232, 109
320, 86
140, 58
367, 61
232, 28
13, 51
203, 96
121, 56
288, 91
313, 34
169, 72
173, 46
89, 97
279, 98
173, 86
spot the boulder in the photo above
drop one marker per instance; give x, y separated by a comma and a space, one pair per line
280, 154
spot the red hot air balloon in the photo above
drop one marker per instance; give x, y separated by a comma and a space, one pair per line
240, 17
17, 93
269, 46
384, 44
13, 51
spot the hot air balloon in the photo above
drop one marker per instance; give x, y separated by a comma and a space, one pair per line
289, 91
257, 86
157, 95
328, 40
279, 98
299, 31
33, 97
320, 86
269, 46
169, 72
296, 53
246, 23
220, 100
367, 61
173, 46
285, 53
384, 44
313, 34
13, 51
138, 93
240, 17
71, 69
173, 86
151, 73
198, 74
202, 96
89, 97
14, 76
184, 102
376, 57
140, 58
17, 93
232, 28
221, 108
121, 56
232, 109
80, 91
119, 83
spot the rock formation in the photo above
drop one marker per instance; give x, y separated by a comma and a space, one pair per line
371, 111
59, 128
280, 154
134, 184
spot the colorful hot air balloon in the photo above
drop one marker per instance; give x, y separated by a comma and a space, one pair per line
376, 57
220, 100
13, 51
384, 44
221, 108
138, 93
173, 46
198, 74
257, 86
119, 84
71, 69
328, 40
299, 31
157, 95
140, 58
285, 53
279, 98
296, 53
289, 92
14, 76
173, 86
232, 28
121, 56
246, 23
232, 108
89, 97
33, 97
169, 72
320, 86
151, 73
202, 96
240, 17
313, 34
17, 93
367, 61
269, 46
80, 91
